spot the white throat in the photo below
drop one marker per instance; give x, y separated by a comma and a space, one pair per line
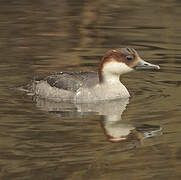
112, 71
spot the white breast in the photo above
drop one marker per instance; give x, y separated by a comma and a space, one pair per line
102, 92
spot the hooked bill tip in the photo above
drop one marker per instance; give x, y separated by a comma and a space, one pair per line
143, 65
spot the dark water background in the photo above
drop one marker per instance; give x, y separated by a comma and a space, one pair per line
37, 37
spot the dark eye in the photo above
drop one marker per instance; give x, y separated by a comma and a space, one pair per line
129, 58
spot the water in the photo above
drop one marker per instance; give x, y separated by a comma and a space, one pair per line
41, 140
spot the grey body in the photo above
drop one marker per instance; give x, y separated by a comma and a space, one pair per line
72, 81
62, 86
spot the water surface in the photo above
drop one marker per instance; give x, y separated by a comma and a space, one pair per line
44, 141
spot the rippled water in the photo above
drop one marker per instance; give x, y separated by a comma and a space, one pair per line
42, 140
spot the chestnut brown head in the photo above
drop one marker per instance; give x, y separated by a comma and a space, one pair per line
121, 61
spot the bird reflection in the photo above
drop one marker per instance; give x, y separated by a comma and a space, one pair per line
114, 128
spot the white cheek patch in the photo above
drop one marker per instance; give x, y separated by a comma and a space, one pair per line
116, 67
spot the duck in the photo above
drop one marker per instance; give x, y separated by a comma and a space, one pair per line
91, 86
